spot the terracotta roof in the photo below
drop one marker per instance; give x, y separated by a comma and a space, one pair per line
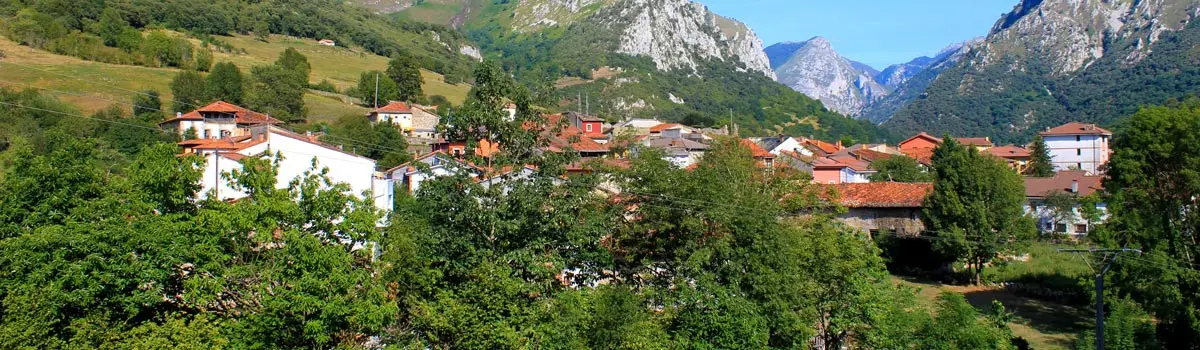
870, 155
394, 107
581, 143
841, 162
756, 150
823, 146
241, 114
237, 157
924, 136
1076, 128
922, 155
661, 127
226, 144
1061, 182
1009, 152
879, 194
974, 141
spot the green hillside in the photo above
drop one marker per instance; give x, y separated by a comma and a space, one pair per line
90, 85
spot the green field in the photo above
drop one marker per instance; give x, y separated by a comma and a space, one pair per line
90, 85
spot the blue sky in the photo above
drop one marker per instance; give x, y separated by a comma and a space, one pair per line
875, 32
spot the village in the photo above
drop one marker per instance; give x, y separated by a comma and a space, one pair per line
224, 134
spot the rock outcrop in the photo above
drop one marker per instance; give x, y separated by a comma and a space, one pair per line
815, 69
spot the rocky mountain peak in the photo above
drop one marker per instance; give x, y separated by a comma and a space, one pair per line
814, 68
679, 34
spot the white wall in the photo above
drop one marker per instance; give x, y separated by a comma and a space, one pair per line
1045, 217
1089, 152
355, 171
790, 144
849, 176
214, 173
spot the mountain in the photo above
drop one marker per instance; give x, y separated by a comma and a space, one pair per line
1050, 61
908, 81
653, 58
897, 74
815, 69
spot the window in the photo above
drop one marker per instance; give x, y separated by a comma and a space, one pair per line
1078, 138
588, 127
1060, 228
1081, 228
206, 133
1078, 151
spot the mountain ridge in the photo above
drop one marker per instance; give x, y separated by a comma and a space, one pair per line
816, 69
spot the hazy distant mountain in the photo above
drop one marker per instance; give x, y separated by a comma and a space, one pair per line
815, 69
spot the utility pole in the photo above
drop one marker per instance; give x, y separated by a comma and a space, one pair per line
1108, 257
587, 104
376, 89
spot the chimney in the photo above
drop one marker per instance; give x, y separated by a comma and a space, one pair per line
839, 144
1074, 186
178, 114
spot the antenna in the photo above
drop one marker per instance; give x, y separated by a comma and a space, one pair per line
1106, 254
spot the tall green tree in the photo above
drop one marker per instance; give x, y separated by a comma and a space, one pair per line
276, 91
189, 91
111, 26
1040, 163
375, 89
406, 73
148, 107
295, 62
1152, 186
225, 83
976, 207
899, 169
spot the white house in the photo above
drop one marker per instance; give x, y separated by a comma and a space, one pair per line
409, 176
299, 154
219, 119
776, 145
679, 151
397, 113
1079, 146
1076, 183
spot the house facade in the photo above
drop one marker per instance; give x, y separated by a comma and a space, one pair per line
880, 207
1072, 183
217, 120
298, 154
397, 113
1078, 146
841, 170
408, 177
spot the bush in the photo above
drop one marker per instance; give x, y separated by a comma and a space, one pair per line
325, 86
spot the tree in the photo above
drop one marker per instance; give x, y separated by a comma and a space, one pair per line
1152, 187
958, 326
262, 30
225, 83
406, 73
276, 91
111, 26
698, 120
366, 91
1062, 207
204, 59
1126, 327
189, 91
294, 62
148, 107
1040, 163
899, 169
976, 207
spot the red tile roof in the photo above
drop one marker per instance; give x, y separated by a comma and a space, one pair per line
823, 146
661, 127
922, 155
225, 144
974, 141
879, 194
394, 107
838, 162
1076, 128
1061, 182
756, 150
1009, 152
924, 136
241, 114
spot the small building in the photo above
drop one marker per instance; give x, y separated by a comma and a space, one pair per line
778, 144
920, 141
761, 156
841, 170
1074, 183
299, 153
1017, 157
396, 113
587, 124
681, 152
217, 120
327, 42
878, 207
1077, 145
424, 122
409, 176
